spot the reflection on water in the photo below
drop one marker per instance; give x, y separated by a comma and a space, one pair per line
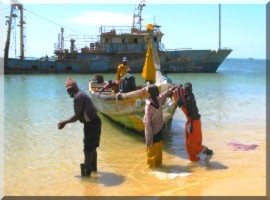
41, 160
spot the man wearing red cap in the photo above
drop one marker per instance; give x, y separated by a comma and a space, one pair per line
86, 113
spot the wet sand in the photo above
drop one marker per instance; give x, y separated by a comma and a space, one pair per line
233, 171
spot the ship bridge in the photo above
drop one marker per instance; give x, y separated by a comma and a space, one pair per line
126, 39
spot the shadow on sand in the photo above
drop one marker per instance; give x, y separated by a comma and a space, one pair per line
108, 179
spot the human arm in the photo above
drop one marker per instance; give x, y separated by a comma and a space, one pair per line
148, 125
104, 88
101, 90
118, 72
128, 68
163, 96
78, 109
180, 96
62, 124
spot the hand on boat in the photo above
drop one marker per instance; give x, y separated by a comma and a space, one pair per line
174, 87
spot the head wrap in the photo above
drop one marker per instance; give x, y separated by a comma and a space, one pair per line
188, 87
110, 82
153, 91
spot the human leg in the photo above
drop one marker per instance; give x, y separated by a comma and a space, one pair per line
159, 153
94, 160
193, 140
86, 166
202, 153
154, 154
92, 131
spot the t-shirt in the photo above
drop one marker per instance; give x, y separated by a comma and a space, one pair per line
84, 107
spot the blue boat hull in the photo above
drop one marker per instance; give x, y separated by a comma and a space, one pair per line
173, 61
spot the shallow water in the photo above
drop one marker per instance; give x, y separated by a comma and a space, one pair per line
41, 160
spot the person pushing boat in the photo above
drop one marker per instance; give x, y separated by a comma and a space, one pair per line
186, 101
153, 122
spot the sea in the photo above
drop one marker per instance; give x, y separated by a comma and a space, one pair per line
40, 160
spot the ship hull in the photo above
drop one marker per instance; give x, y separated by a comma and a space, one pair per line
182, 61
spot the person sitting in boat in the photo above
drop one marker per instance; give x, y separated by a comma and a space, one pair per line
186, 101
122, 69
165, 77
114, 85
153, 122
127, 83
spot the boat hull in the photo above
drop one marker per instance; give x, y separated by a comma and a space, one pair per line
128, 109
173, 61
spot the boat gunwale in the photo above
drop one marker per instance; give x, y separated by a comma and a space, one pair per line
119, 96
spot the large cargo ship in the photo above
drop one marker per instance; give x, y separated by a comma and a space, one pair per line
104, 54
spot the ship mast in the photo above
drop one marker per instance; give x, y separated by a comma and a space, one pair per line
219, 26
15, 4
138, 15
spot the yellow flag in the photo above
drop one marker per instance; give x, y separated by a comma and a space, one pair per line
149, 70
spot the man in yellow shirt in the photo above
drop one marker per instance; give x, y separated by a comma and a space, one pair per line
122, 69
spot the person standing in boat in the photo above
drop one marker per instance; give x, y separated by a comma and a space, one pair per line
122, 69
86, 113
186, 101
153, 122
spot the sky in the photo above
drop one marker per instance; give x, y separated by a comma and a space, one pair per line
196, 26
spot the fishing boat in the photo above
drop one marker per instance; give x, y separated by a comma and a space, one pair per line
102, 53
127, 109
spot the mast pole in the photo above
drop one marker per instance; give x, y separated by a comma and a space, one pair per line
9, 21
62, 39
219, 26
20, 6
138, 15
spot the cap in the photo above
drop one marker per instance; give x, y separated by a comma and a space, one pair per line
124, 59
110, 82
70, 82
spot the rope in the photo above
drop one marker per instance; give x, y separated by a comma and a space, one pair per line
53, 22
